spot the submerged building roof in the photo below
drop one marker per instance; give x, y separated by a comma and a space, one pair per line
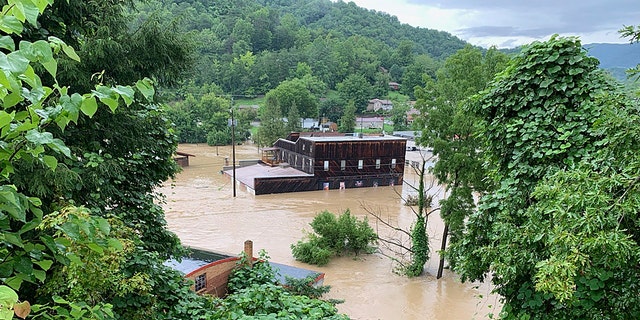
247, 174
352, 138
199, 258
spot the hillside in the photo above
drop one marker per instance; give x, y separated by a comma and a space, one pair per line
347, 19
248, 47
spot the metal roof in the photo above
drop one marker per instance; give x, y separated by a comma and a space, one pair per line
354, 138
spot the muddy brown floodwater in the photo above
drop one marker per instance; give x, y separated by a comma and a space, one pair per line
201, 210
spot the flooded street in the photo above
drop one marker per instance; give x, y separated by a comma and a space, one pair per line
201, 210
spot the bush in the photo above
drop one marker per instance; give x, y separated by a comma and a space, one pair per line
335, 236
311, 251
254, 294
244, 276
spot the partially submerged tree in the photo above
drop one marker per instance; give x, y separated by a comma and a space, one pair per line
413, 242
451, 132
334, 235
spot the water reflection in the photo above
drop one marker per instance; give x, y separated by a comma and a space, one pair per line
201, 210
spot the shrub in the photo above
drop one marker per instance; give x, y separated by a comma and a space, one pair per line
335, 236
311, 251
244, 276
254, 294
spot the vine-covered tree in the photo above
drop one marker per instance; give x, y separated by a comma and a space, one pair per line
451, 131
558, 232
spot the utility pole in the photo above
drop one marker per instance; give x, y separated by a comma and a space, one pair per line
233, 147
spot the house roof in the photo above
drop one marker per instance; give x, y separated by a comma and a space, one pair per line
184, 154
353, 138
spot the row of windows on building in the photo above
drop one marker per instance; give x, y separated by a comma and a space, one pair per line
343, 164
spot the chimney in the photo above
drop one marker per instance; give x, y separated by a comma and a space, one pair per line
248, 252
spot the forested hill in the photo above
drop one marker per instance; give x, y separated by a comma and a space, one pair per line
250, 46
347, 19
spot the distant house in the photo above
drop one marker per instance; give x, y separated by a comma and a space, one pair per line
394, 86
377, 104
248, 107
411, 114
310, 124
313, 161
182, 158
329, 127
369, 122
210, 270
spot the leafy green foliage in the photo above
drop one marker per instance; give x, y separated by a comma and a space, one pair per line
558, 232
295, 93
348, 119
257, 45
248, 273
196, 118
254, 294
399, 116
335, 236
272, 126
633, 33
356, 88
305, 286
419, 238
64, 164
451, 131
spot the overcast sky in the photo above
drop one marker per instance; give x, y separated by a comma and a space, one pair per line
509, 23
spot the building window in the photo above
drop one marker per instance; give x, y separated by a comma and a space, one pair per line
377, 163
310, 164
393, 163
201, 282
360, 164
343, 165
326, 165
303, 147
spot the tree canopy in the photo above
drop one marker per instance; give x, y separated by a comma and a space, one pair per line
82, 234
451, 131
558, 230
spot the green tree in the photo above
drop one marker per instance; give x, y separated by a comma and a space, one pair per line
399, 116
294, 93
335, 235
554, 230
633, 33
381, 84
294, 120
356, 88
451, 131
294, 299
403, 55
331, 108
413, 76
272, 127
70, 174
348, 119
